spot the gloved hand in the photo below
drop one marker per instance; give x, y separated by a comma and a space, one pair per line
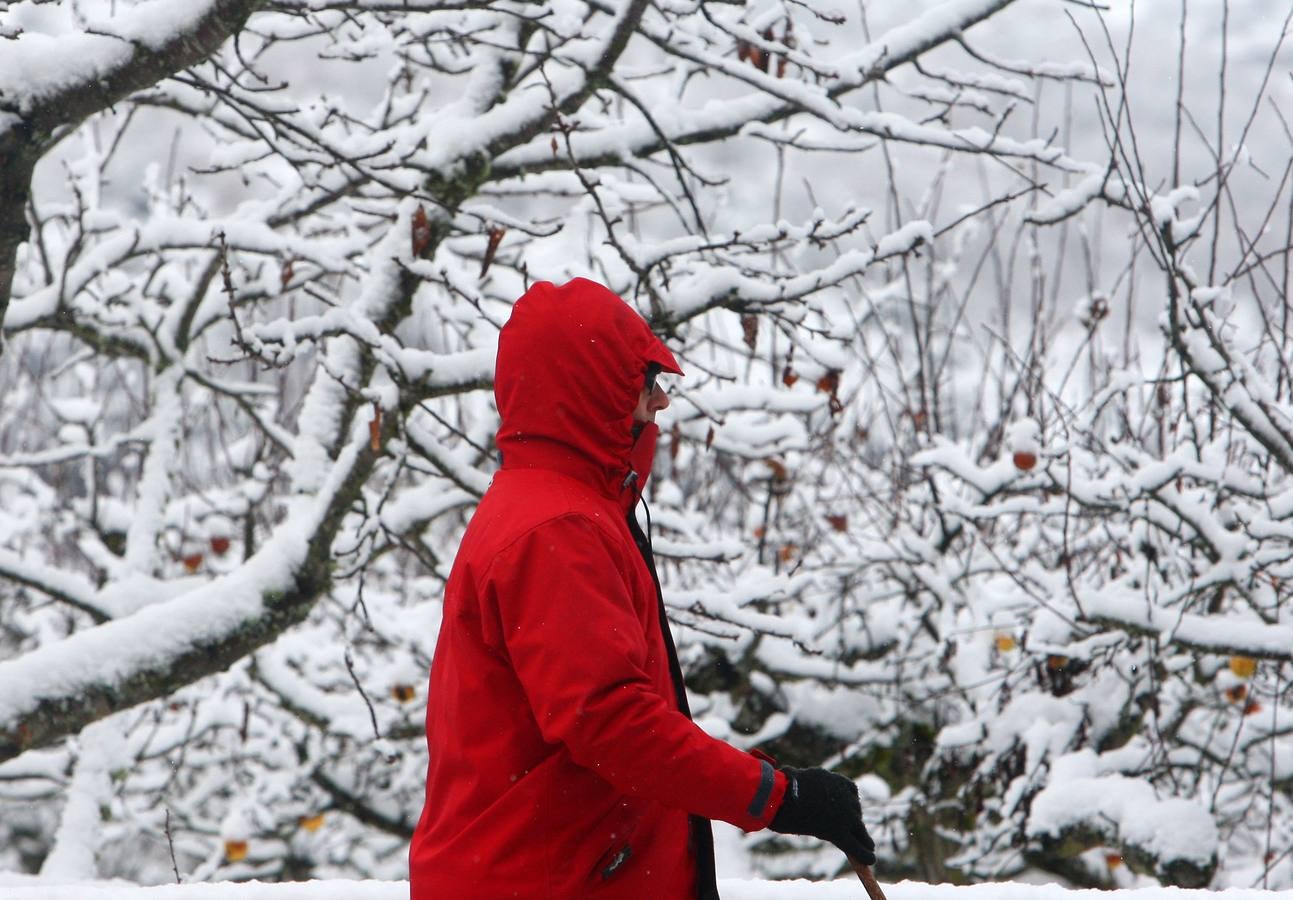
824, 805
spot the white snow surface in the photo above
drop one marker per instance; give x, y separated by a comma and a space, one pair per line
20, 887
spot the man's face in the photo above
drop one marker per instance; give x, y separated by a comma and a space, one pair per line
650, 402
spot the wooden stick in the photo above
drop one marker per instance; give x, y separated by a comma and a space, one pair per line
868, 880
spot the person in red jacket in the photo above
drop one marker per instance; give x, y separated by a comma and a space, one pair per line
563, 759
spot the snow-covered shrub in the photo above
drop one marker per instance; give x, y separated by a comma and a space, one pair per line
1021, 578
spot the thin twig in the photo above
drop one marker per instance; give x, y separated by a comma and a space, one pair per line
372, 714
170, 843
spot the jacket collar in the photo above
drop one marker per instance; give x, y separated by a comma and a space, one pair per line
623, 483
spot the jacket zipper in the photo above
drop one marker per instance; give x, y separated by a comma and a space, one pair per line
702, 836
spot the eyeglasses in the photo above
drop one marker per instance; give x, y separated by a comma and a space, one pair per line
652, 373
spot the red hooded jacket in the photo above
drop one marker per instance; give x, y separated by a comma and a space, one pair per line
563, 762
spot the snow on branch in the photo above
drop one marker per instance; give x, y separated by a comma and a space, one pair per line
1210, 634
701, 286
1175, 839
51, 83
774, 99
57, 689
48, 82
68, 587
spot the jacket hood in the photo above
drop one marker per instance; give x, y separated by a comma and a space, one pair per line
570, 368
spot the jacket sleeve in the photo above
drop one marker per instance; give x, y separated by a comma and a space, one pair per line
567, 624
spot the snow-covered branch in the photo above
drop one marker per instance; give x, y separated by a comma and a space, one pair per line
47, 85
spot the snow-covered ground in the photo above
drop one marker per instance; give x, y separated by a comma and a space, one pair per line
19, 887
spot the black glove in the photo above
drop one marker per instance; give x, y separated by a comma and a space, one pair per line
824, 805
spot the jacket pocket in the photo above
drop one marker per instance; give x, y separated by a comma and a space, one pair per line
618, 837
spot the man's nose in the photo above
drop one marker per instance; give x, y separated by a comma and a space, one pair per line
659, 399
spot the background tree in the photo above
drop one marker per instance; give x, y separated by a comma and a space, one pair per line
919, 520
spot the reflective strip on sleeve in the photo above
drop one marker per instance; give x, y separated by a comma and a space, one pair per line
763, 794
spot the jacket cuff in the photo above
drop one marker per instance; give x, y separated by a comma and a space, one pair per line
768, 794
